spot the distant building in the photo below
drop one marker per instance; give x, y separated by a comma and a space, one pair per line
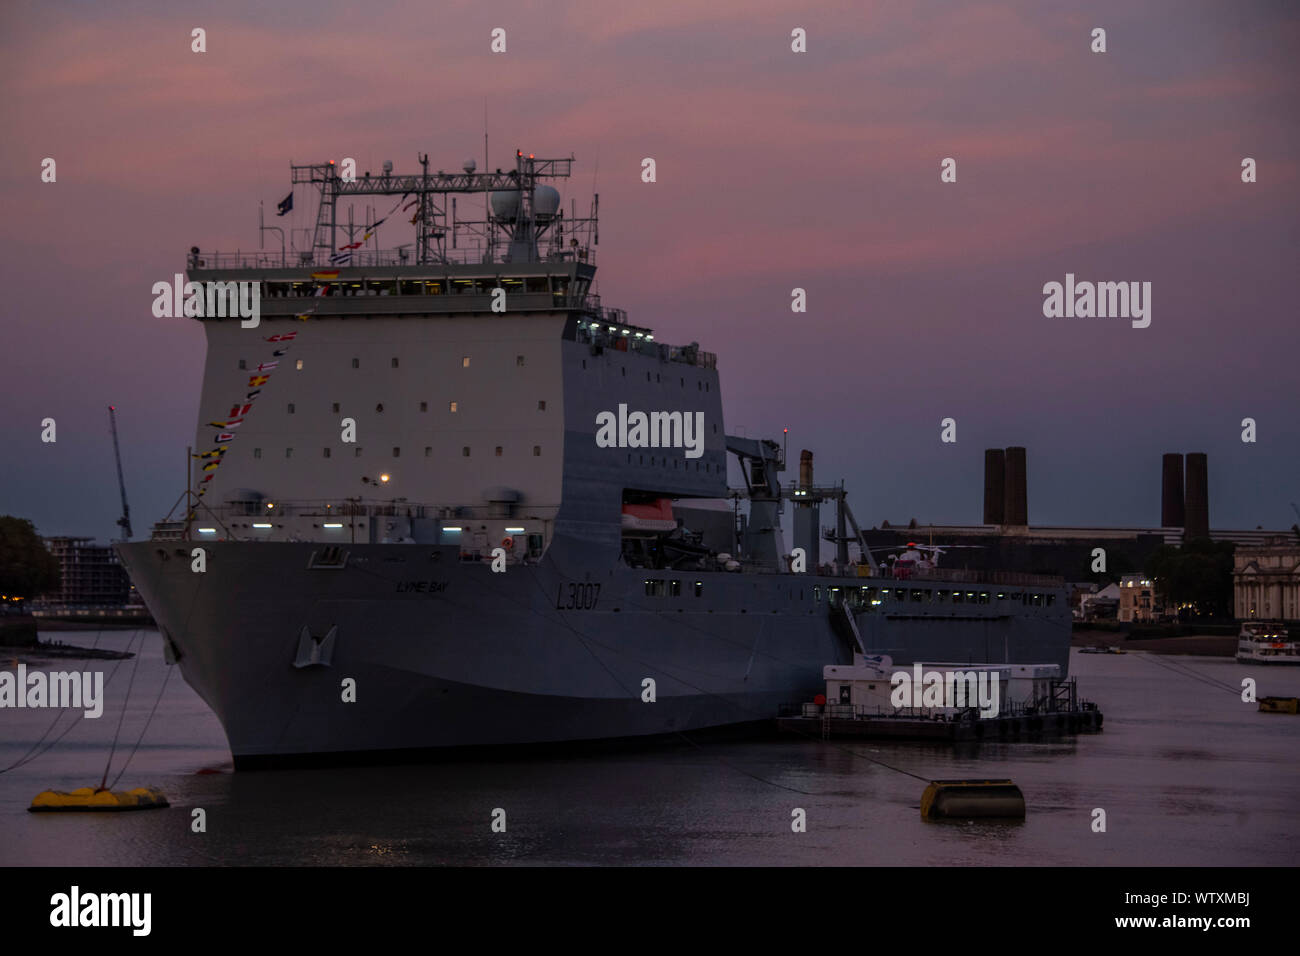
90, 574
1137, 600
1266, 580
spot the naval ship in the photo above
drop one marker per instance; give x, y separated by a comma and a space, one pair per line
442, 497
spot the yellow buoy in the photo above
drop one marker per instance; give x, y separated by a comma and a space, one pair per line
963, 799
88, 798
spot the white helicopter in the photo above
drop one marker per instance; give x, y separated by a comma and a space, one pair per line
917, 559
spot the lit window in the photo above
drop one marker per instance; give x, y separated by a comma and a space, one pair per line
451, 406
464, 362
298, 367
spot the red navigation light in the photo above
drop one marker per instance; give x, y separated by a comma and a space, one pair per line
530, 156
785, 431
112, 408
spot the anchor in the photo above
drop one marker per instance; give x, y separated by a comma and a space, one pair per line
313, 651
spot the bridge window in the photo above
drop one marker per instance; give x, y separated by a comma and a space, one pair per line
674, 588
654, 587
699, 588
956, 597
984, 597
1051, 599
917, 595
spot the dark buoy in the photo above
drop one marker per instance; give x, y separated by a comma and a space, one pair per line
965, 799
1279, 705
89, 799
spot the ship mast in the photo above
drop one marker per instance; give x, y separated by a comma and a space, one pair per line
518, 214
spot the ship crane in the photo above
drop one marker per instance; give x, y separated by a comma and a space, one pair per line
123, 522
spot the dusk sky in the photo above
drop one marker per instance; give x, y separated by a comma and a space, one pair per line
775, 170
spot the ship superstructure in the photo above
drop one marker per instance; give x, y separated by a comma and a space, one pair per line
449, 474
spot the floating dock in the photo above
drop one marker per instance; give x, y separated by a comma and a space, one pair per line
833, 721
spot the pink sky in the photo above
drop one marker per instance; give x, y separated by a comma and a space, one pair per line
775, 170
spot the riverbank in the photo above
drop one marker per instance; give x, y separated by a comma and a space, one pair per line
1199, 645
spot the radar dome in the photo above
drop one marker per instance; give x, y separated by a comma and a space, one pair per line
505, 204
469, 165
546, 201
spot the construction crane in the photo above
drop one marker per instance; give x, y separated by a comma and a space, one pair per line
123, 522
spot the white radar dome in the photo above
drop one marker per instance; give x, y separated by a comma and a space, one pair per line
469, 165
505, 204
546, 201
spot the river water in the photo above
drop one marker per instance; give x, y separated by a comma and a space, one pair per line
1187, 775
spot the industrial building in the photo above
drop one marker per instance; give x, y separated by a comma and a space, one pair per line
90, 575
1007, 540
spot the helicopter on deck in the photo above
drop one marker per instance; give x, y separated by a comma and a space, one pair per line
916, 559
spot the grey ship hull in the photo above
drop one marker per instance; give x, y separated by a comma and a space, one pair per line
446, 654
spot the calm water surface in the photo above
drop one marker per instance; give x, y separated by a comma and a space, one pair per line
1186, 772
